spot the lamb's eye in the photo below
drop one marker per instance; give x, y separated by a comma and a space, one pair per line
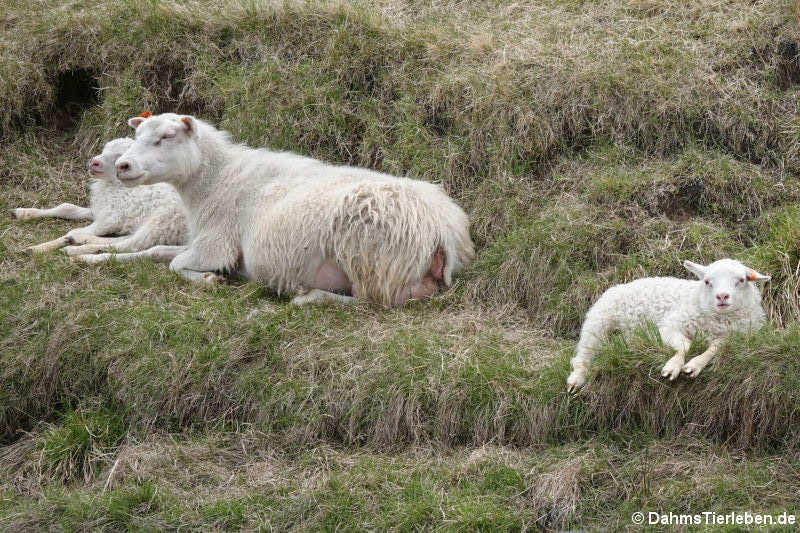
708, 283
741, 280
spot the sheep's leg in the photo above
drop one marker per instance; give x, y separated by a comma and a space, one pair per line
194, 265
160, 254
98, 244
145, 237
77, 235
595, 328
678, 341
320, 296
697, 364
67, 211
427, 286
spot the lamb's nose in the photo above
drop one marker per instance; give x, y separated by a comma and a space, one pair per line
95, 163
123, 167
722, 297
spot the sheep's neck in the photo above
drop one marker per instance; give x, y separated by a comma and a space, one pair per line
203, 183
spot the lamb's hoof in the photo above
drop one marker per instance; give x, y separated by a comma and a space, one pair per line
212, 278
692, 370
574, 382
36, 250
69, 240
21, 213
672, 369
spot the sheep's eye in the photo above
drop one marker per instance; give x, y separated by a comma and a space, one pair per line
708, 283
741, 280
165, 136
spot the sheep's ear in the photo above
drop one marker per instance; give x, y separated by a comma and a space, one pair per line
752, 275
694, 268
135, 122
189, 124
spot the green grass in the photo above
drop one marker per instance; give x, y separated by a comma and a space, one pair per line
591, 143
240, 482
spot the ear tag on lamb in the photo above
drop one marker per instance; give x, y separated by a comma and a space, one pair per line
751, 275
146, 114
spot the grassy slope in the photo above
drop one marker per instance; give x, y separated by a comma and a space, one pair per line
591, 143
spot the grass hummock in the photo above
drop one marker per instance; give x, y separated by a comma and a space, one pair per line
591, 143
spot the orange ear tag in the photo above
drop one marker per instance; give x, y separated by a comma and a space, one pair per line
751, 276
146, 114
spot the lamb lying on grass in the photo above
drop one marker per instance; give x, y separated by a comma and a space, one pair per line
724, 300
297, 223
143, 216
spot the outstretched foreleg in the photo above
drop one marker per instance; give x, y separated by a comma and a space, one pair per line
160, 254
75, 236
66, 211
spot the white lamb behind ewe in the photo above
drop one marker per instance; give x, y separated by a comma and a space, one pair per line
142, 217
297, 223
725, 299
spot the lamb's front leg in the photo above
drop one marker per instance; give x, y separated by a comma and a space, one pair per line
678, 341
99, 244
697, 364
67, 211
78, 235
160, 254
145, 237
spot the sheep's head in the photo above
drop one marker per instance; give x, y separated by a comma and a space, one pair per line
165, 150
728, 285
103, 166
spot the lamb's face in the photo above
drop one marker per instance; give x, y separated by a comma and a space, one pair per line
103, 166
727, 284
165, 150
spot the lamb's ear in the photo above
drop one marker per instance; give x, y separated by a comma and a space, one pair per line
694, 268
189, 124
752, 275
135, 122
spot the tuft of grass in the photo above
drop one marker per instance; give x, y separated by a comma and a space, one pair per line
75, 447
744, 398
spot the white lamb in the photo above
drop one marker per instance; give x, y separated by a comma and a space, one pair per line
297, 223
142, 217
724, 300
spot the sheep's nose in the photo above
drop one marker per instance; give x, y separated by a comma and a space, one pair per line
95, 163
722, 297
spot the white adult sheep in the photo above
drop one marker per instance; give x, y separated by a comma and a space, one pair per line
142, 217
298, 223
723, 300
